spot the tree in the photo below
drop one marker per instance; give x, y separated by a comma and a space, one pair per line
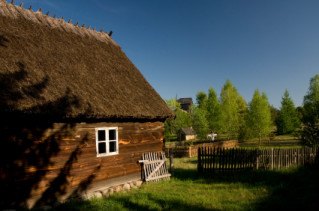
242, 110
310, 132
201, 99
230, 108
200, 123
288, 120
213, 111
259, 116
311, 101
182, 119
173, 104
274, 115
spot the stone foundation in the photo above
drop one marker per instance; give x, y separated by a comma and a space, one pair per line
106, 190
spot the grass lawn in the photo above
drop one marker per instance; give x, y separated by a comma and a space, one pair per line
282, 141
295, 189
279, 141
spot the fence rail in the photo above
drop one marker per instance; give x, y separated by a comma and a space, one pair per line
211, 160
191, 151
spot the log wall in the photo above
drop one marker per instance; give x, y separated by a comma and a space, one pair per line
51, 163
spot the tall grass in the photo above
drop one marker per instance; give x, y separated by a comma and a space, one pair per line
296, 188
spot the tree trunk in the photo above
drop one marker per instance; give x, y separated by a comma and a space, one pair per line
259, 139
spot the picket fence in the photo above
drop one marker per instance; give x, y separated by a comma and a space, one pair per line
191, 151
212, 160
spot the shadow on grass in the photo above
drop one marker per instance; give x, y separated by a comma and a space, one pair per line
148, 202
155, 203
185, 174
295, 188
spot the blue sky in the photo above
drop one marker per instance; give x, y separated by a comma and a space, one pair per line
186, 46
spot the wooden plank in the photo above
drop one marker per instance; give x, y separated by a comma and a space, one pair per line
158, 177
150, 161
199, 162
152, 168
156, 169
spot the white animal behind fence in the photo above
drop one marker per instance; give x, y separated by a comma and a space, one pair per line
212, 136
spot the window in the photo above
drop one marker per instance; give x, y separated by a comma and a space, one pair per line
106, 141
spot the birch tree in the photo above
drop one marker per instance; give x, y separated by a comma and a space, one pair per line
259, 116
213, 111
199, 122
230, 110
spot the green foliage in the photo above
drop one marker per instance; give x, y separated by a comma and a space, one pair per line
311, 101
274, 114
288, 120
310, 134
182, 119
173, 104
232, 107
200, 123
243, 111
259, 116
213, 111
201, 99
229, 115
244, 131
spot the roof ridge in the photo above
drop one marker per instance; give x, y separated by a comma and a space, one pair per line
15, 11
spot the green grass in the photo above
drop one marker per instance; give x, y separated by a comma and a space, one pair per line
282, 141
296, 188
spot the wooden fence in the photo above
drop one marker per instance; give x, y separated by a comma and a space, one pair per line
191, 151
211, 160
154, 166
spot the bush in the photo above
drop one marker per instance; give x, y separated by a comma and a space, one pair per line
310, 134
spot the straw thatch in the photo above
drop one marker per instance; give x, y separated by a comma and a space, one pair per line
48, 65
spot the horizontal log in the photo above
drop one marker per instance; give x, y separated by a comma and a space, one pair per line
74, 161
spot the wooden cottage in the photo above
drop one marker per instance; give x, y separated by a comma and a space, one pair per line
186, 103
187, 134
75, 112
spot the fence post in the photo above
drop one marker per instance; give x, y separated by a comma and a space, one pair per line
171, 161
199, 160
257, 160
272, 158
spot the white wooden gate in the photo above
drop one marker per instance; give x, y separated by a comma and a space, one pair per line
154, 166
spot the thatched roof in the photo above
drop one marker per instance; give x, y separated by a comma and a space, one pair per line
185, 103
188, 131
49, 66
187, 100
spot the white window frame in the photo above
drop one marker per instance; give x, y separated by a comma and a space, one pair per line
106, 141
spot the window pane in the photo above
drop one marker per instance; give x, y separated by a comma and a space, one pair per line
112, 146
101, 135
102, 148
112, 135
